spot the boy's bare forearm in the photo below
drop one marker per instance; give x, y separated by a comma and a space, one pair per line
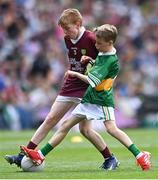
78, 75
82, 77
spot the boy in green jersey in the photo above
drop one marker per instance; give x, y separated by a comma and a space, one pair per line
98, 101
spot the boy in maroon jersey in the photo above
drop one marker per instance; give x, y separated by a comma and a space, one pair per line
78, 42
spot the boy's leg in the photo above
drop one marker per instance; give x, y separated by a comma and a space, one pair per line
57, 111
143, 158
111, 162
114, 131
38, 156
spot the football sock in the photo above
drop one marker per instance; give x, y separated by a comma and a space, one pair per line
106, 153
134, 150
46, 149
31, 145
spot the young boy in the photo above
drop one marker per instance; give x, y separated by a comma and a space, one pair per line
97, 102
78, 42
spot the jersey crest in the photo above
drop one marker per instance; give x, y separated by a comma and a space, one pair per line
83, 51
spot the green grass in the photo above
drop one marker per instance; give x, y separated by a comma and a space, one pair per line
81, 160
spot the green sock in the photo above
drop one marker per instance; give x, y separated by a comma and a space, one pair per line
134, 150
46, 149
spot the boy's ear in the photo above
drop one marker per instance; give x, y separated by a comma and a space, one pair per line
111, 42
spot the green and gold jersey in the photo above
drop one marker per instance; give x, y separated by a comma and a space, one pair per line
100, 78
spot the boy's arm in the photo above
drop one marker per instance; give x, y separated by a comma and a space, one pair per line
78, 75
106, 84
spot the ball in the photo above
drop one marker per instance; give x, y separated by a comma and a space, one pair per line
28, 166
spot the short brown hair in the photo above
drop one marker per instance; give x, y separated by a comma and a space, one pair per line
70, 16
107, 32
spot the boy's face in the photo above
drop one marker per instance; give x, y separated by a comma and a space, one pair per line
71, 30
102, 45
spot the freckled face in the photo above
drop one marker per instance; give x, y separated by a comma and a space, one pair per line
71, 30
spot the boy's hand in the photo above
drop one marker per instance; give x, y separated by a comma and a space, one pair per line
85, 59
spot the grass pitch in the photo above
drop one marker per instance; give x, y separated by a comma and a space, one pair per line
80, 160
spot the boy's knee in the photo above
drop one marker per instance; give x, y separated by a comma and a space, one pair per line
111, 128
51, 120
65, 126
84, 131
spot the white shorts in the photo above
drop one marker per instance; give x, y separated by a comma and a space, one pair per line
94, 112
68, 99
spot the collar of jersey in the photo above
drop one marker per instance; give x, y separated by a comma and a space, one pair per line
113, 52
82, 30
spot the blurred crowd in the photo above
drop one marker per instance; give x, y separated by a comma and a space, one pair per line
33, 56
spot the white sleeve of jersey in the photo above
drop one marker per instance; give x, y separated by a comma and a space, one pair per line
93, 81
90, 82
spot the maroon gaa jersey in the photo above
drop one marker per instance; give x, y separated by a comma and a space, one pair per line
72, 86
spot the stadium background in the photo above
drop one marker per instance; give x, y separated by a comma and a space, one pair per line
33, 58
